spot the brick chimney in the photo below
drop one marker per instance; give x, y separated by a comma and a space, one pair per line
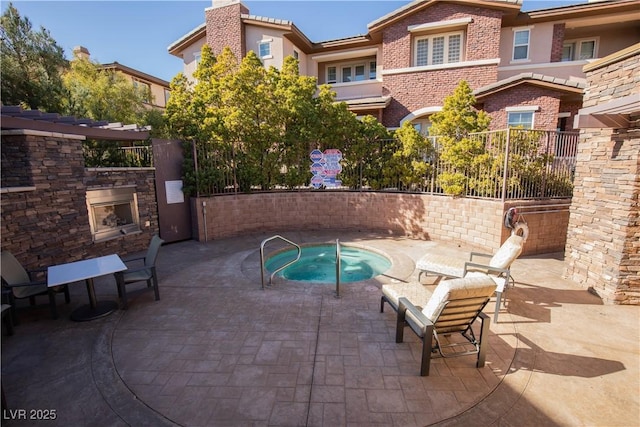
225, 27
81, 52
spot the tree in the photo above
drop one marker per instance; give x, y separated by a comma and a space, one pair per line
30, 63
100, 94
462, 154
410, 159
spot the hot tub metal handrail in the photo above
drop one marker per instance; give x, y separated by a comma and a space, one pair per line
264, 242
338, 268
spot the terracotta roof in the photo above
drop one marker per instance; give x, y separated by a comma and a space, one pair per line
531, 78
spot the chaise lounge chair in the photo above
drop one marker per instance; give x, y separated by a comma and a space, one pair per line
452, 308
498, 267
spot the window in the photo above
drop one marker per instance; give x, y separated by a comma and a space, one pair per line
197, 57
332, 75
438, 49
522, 119
521, 45
579, 50
144, 88
346, 74
167, 95
264, 49
351, 72
296, 55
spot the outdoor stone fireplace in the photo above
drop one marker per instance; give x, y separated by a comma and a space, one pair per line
112, 212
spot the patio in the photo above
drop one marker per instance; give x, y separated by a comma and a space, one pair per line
218, 350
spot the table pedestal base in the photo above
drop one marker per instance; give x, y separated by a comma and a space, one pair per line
86, 312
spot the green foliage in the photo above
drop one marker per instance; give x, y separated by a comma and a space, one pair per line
462, 155
409, 162
30, 64
102, 94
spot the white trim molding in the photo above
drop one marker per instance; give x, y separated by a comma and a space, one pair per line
441, 66
523, 108
440, 24
419, 113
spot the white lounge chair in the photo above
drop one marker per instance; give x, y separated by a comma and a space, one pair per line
498, 267
453, 307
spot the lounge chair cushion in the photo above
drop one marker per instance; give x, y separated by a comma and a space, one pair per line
442, 264
415, 292
480, 285
508, 252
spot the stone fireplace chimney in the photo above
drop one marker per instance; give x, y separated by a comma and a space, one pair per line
81, 52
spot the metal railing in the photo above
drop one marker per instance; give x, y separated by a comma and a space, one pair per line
101, 154
511, 164
338, 268
264, 242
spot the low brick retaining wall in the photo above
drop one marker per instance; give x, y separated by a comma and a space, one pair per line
472, 222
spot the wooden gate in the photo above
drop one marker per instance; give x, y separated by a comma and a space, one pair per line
174, 210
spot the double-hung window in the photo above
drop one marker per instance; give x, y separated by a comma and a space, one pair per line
438, 49
521, 44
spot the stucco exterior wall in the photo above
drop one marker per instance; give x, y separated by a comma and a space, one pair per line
470, 222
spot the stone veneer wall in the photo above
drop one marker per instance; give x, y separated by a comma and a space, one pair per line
44, 213
470, 222
603, 242
225, 27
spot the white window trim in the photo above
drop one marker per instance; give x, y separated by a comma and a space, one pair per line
439, 25
576, 50
260, 42
440, 66
445, 53
513, 47
523, 109
352, 65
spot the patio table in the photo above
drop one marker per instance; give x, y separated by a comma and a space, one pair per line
87, 270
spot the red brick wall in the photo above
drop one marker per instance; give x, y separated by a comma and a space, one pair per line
415, 90
470, 222
546, 118
225, 28
557, 42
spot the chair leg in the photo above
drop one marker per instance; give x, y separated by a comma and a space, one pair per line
155, 286
52, 304
425, 361
400, 324
121, 291
485, 322
498, 304
67, 297
7, 319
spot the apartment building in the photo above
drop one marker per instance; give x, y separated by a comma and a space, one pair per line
525, 67
158, 89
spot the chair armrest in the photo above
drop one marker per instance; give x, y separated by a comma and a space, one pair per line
134, 269
405, 305
480, 254
20, 285
475, 266
135, 258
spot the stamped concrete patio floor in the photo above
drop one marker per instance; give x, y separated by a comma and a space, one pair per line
217, 350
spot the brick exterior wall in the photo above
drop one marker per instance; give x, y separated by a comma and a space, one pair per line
415, 90
557, 42
225, 28
470, 222
50, 224
548, 101
603, 240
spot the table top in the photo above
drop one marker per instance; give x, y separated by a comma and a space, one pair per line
82, 270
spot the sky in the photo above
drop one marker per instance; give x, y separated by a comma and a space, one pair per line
137, 33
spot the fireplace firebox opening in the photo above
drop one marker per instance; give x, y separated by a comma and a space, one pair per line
112, 212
